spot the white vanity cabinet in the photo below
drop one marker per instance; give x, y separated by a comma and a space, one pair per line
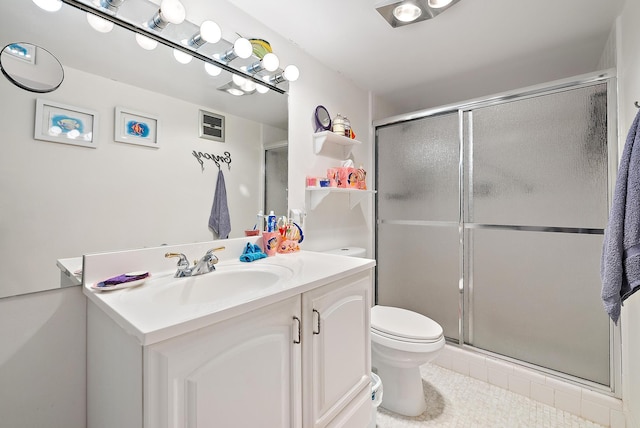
336, 353
242, 372
299, 362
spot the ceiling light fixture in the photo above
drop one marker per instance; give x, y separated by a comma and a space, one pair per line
262, 75
269, 62
111, 5
210, 32
407, 12
241, 49
170, 12
438, 4
290, 74
404, 12
239, 86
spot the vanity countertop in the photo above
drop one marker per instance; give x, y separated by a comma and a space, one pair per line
164, 307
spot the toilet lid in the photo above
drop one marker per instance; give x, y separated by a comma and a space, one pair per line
403, 323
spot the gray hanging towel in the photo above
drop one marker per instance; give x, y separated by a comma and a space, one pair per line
620, 264
219, 219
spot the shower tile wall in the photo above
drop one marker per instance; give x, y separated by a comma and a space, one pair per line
581, 401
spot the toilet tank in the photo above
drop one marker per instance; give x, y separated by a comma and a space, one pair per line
348, 251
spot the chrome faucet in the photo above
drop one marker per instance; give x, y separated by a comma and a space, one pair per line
205, 265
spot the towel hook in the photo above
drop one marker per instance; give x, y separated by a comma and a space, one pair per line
637, 105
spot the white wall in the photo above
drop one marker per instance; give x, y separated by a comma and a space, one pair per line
629, 91
332, 224
42, 359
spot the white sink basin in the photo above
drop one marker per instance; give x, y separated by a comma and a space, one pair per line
228, 282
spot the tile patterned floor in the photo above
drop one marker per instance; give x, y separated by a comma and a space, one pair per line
455, 400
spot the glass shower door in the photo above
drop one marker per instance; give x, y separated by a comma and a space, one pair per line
536, 206
418, 211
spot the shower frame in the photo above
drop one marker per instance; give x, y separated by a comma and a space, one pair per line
606, 76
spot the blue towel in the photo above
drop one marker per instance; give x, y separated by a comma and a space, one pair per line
219, 219
252, 252
620, 264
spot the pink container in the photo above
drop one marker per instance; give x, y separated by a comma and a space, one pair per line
270, 241
332, 174
347, 177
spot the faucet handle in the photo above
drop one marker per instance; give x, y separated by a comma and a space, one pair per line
214, 259
183, 262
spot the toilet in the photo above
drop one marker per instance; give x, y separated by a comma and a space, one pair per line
401, 341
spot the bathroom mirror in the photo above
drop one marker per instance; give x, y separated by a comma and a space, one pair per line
31, 67
60, 201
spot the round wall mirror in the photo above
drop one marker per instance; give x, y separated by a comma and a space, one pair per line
323, 120
31, 67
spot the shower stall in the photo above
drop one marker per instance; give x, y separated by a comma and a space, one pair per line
490, 220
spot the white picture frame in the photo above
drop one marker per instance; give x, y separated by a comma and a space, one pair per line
134, 127
61, 123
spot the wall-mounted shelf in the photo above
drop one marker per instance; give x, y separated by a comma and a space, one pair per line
315, 195
328, 137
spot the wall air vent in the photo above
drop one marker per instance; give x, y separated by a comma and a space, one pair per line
211, 126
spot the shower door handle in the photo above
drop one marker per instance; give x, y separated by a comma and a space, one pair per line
317, 323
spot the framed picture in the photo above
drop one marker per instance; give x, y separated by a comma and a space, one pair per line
65, 124
22, 51
134, 127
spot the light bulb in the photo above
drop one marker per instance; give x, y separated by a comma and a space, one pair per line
242, 47
270, 62
238, 80
49, 5
173, 11
111, 5
145, 42
438, 4
407, 12
236, 92
291, 73
211, 69
262, 89
210, 32
181, 57
101, 25
248, 86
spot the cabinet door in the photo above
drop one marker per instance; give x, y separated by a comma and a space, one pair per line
243, 372
336, 348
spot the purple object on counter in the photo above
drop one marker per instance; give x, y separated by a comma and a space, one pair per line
121, 279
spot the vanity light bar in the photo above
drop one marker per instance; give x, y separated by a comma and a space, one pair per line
158, 38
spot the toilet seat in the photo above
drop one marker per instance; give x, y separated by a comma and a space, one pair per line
401, 324
404, 330
402, 338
